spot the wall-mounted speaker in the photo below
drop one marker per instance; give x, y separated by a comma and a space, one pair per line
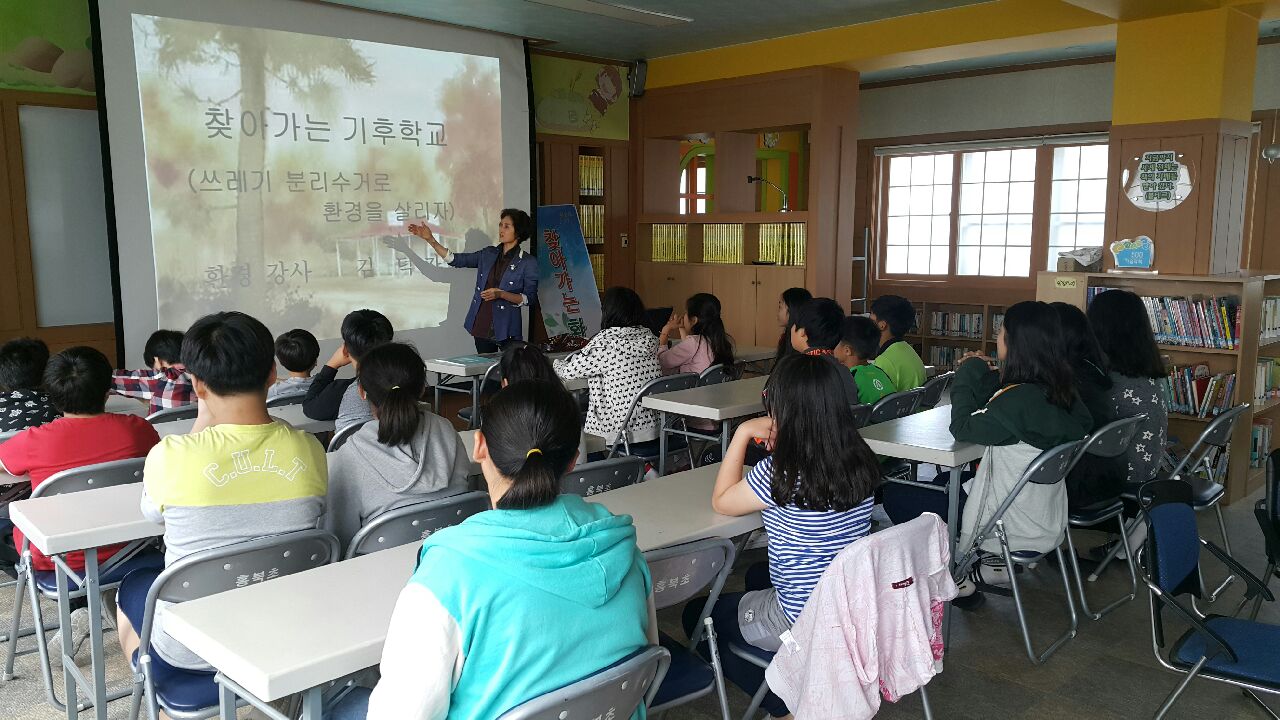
635, 78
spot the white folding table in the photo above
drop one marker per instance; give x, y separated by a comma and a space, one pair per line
721, 403
264, 642
61, 524
291, 414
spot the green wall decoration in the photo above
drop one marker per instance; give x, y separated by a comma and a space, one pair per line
45, 46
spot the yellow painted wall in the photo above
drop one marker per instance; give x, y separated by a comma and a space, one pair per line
1185, 67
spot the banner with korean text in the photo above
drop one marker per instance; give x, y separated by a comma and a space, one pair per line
567, 290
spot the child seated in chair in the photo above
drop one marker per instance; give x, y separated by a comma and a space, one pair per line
78, 381
23, 403
240, 474
518, 601
405, 454
297, 351
163, 382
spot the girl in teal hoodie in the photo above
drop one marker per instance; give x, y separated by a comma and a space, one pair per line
531, 596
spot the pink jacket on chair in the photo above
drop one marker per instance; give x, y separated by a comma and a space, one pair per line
872, 627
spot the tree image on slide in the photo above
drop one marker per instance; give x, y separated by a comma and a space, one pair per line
308, 66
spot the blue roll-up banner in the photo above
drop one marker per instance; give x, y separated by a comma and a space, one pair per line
567, 292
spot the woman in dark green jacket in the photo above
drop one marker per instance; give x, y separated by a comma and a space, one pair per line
1027, 407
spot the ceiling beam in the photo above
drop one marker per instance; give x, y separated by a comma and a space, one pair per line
1126, 10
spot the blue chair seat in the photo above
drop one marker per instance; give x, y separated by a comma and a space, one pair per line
181, 690
47, 581
688, 676
1256, 644
1096, 513
1027, 556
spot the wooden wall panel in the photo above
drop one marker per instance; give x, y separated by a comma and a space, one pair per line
10, 295
735, 160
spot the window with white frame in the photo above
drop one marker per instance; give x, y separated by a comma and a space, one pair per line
997, 196
990, 211
918, 237
1078, 205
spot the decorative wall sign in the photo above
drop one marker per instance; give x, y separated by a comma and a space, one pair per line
1160, 181
1136, 254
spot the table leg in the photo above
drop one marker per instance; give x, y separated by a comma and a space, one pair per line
477, 386
953, 535
435, 394
64, 621
313, 704
724, 439
662, 443
226, 702
96, 659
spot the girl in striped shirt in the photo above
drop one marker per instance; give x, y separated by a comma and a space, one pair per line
815, 493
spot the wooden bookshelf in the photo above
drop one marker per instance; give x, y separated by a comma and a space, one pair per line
593, 176
925, 339
1250, 288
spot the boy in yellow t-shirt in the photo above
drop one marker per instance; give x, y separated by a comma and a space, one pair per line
239, 475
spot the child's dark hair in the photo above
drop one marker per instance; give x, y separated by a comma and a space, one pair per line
521, 221
1035, 352
531, 429
22, 362
621, 307
78, 380
820, 462
230, 352
1078, 341
364, 330
822, 320
792, 298
393, 378
862, 336
1123, 330
164, 345
297, 350
710, 327
896, 311
522, 361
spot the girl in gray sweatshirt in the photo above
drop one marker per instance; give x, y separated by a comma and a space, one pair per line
405, 454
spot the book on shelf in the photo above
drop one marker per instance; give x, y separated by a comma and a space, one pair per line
1193, 390
1270, 318
997, 322
1195, 321
956, 324
1266, 379
782, 243
597, 268
722, 243
1260, 445
670, 242
592, 219
590, 175
945, 355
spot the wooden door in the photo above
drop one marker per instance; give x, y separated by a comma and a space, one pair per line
770, 282
735, 286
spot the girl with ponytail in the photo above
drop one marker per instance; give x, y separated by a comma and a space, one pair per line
544, 589
405, 454
704, 341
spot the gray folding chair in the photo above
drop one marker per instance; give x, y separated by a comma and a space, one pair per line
340, 438
43, 584
651, 450
594, 478
931, 392
8, 434
896, 405
713, 375
614, 692
182, 412
1049, 468
290, 398
1207, 491
891, 407
1110, 440
679, 573
492, 375
206, 573
861, 415
413, 523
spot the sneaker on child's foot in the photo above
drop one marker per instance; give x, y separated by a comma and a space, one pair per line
79, 633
